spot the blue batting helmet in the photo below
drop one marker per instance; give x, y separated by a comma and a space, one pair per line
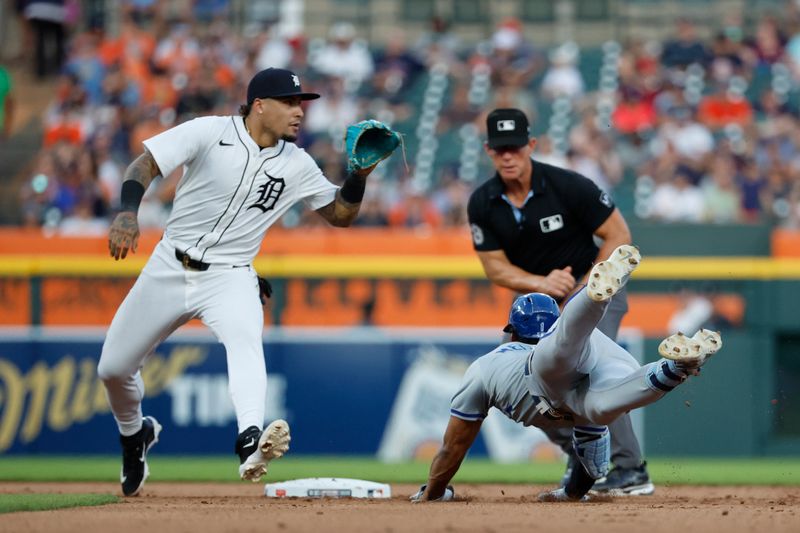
532, 315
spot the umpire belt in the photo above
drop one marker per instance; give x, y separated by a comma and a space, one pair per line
188, 262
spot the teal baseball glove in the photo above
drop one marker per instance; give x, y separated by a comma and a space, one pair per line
369, 142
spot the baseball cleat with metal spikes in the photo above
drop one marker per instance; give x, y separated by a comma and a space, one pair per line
272, 444
608, 277
691, 352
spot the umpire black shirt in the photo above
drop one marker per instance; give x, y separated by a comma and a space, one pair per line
555, 227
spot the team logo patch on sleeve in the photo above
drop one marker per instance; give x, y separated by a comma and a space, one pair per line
606, 200
477, 234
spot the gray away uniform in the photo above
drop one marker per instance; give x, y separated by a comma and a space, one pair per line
576, 375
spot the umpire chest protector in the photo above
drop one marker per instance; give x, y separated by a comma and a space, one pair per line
553, 229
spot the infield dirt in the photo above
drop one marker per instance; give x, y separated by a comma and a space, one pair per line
201, 507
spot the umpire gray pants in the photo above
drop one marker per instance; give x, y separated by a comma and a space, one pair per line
625, 449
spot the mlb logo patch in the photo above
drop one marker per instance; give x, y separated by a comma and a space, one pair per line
505, 125
551, 223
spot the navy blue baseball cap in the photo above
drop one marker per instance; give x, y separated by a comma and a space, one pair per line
507, 127
276, 83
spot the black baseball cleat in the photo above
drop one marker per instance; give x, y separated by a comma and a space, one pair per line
256, 448
134, 456
626, 482
247, 443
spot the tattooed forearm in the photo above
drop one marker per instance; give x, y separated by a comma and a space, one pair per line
344, 209
340, 212
143, 169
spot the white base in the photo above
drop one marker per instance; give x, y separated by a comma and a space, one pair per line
327, 487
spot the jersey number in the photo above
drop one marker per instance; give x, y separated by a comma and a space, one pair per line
269, 194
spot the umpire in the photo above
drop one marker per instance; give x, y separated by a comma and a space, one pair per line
534, 227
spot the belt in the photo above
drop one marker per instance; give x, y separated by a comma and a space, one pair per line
188, 262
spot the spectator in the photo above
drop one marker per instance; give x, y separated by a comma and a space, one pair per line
721, 197
143, 12
723, 107
344, 56
210, 10
685, 48
562, 77
414, 210
201, 95
727, 52
6, 103
768, 44
47, 19
775, 196
85, 65
332, 113
546, 152
178, 54
439, 44
692, 141
396, 69
633, 114
273, 50
678, 200
372, 213
514, 61
752, 184
593, 154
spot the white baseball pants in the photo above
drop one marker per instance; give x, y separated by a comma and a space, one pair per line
165, 296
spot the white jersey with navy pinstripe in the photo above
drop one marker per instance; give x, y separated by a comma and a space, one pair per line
231, 190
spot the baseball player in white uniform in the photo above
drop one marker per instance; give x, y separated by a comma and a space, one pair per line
562, 371
240, 174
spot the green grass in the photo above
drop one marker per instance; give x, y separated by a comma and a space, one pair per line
689, 471
10, 503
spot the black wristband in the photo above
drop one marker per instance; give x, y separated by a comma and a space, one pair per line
353, 188
131, 196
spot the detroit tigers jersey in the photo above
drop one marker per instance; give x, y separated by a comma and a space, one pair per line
231, 190
499, 379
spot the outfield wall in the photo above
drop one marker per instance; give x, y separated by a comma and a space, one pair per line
361, 391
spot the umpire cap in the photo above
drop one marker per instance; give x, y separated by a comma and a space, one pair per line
507, 127
276, 83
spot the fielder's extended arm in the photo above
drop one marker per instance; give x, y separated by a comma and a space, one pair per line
342, 211
124, 232
458, 438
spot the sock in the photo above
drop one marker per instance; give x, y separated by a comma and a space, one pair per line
665, 375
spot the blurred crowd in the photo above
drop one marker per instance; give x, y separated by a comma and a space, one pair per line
699, 129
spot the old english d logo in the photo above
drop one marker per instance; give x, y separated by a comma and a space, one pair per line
269, 193
551, 223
